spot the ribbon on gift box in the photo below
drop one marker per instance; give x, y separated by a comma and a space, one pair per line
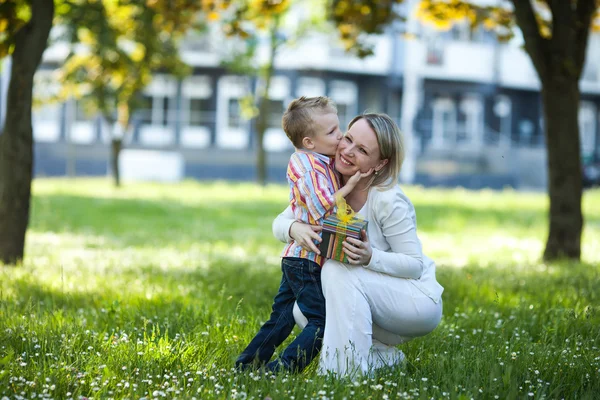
347, 217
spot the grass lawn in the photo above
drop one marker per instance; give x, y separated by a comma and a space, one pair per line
151, 291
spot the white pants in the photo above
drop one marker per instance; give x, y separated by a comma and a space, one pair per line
367, 314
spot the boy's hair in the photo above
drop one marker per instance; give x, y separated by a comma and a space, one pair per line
298, 122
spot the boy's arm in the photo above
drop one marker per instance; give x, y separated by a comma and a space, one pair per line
310, 187
318, 193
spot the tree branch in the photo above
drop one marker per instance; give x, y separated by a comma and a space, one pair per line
583, 21
535, 44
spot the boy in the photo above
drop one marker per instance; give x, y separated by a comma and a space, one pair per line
312, 125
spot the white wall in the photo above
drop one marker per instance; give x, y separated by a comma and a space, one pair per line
458, 60
506, 64
323, 52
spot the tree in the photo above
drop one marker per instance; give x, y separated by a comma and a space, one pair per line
24, 29
356, 20
247, 22
116, 47
556, 35
26, 26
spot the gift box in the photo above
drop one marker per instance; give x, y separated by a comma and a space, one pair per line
335, 232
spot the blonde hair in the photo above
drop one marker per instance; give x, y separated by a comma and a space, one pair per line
391, 147
297, 121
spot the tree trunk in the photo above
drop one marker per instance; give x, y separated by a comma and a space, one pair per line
559, 62
560, 95
261, 127
118, 132
115, 150
262, 121
16, 139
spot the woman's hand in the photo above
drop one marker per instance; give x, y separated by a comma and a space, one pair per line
359, 252
305, 235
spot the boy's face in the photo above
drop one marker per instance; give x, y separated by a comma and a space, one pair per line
327, 134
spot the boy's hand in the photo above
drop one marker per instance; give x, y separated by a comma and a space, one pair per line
306, 235
351, 183
357, 177
368, 173
353, 180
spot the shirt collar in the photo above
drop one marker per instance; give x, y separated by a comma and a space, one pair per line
326, 159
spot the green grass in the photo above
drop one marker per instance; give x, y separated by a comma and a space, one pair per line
152, 291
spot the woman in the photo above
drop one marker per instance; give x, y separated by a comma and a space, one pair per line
387, 293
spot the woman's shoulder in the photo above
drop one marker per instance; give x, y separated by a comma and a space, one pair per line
392, 196
393, 193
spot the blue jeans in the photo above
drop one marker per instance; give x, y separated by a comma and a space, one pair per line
301, 283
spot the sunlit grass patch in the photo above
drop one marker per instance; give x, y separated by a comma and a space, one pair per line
152, 291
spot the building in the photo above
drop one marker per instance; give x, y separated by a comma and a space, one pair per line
469, 107
479, 117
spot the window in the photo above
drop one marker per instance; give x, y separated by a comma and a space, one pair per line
587, 128
343, 116
526, 130
435, 52
157, 106
345, 95
275, 112
156, 111
472, 108
81, 114
235, 114
145, 110
503, 110
448, 118
444, 122
196, 91
196, 115
166, 116
310, 87
198, 112
231, 129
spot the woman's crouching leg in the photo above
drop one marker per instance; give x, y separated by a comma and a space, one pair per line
399, 315
347, 339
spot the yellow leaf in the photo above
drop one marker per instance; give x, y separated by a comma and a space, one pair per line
345, 28
138, 53
489, 24
85, 36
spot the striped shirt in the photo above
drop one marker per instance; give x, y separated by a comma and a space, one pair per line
313, 183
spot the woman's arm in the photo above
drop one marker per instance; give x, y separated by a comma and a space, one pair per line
404, 259
281, 225
286, 229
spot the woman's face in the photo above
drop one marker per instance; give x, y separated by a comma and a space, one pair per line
358, 150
